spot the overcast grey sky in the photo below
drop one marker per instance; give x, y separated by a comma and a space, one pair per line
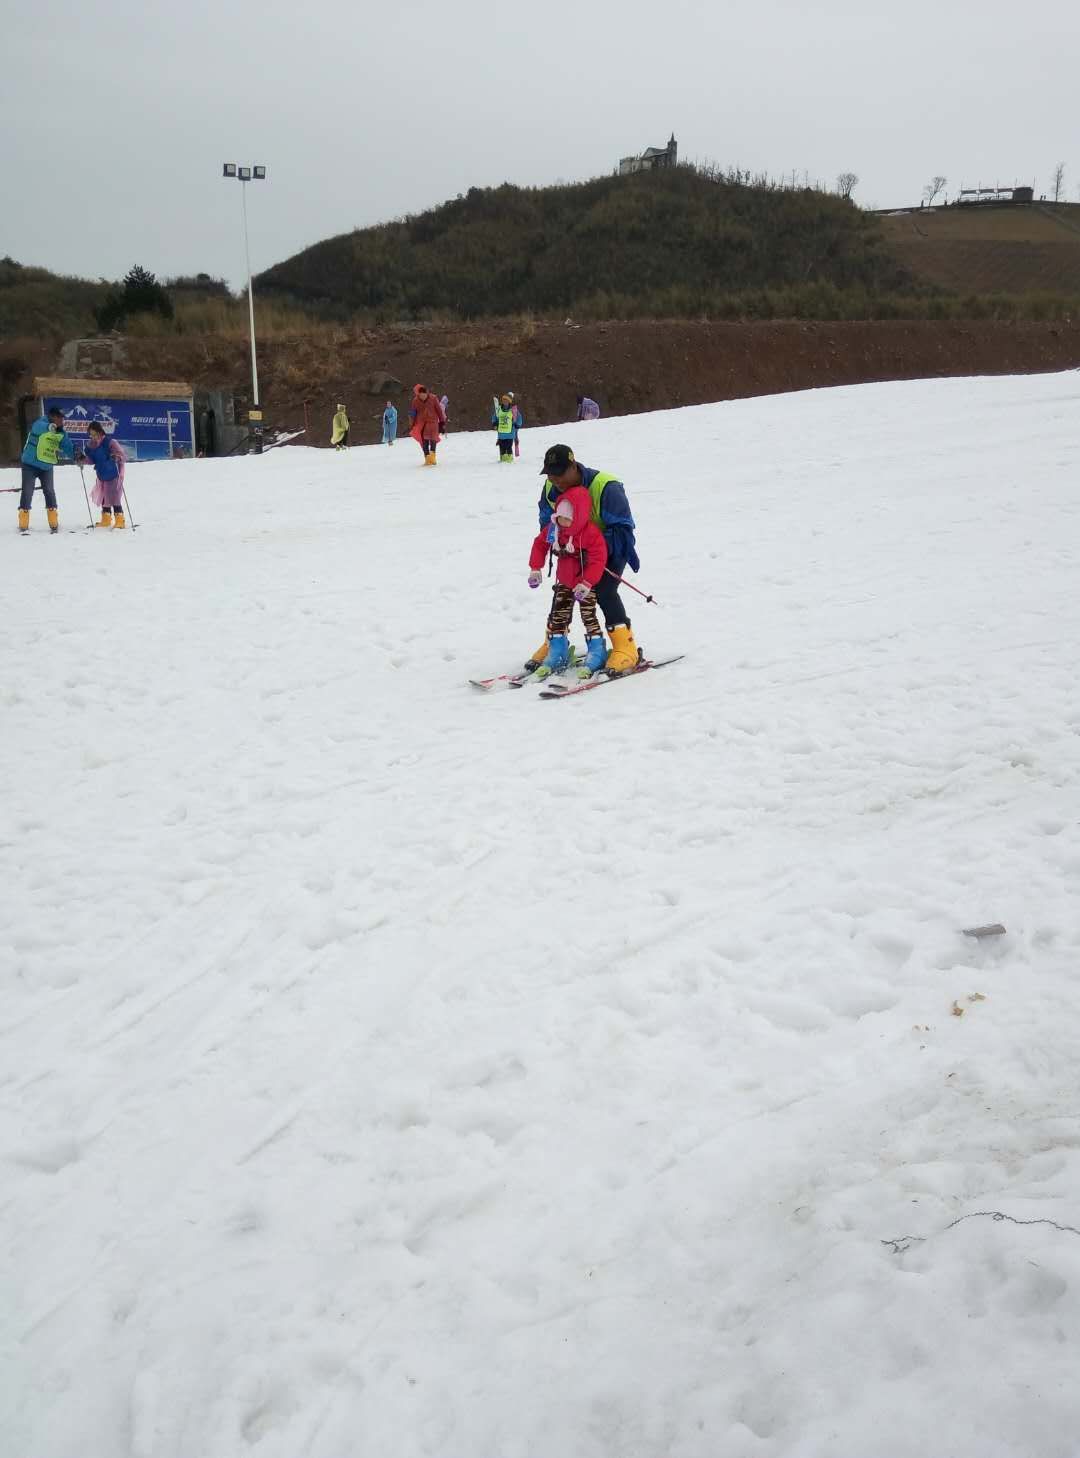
117, 116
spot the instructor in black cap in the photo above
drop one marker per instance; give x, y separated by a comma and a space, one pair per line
611, 513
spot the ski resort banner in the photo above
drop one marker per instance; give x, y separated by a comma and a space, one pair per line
156, 426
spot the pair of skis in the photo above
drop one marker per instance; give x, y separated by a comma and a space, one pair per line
553, 689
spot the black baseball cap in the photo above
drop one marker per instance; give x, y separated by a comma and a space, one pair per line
557, 459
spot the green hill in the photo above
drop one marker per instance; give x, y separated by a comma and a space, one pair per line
37, 303
673, 242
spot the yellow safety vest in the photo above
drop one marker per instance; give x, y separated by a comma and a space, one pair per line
48, 447
596, 490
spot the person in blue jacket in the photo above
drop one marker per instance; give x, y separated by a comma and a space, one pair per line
46, 445
389, 424
106, 454
611, 513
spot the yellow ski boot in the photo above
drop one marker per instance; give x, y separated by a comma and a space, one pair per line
624, 651
118, 519
24, 520
54, 520
534, 660
106, 517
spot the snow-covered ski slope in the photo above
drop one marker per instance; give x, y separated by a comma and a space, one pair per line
390, 1070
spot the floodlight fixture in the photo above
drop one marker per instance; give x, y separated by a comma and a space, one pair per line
229, 169
244, 174
259, 173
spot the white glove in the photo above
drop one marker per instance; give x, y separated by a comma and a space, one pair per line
581, 591
535, 579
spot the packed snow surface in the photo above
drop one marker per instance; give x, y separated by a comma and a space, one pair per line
391, 1069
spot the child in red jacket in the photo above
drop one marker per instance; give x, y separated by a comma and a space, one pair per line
579, 545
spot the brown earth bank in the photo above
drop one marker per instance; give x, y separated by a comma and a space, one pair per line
627, 366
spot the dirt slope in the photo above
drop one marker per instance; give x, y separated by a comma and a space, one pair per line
628, 367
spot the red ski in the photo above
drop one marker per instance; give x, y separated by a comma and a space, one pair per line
564, 691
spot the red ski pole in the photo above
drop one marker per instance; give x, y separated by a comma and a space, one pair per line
631, 586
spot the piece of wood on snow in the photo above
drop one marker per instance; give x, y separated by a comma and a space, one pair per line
995, 929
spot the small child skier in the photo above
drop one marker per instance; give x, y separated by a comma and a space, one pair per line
579, 545
502, 418
519, 421
108, 459
389, 423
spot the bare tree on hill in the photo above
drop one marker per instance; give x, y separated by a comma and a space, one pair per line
846, 183
1058, 180
932, 188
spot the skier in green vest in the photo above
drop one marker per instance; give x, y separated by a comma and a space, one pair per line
611, 513
46, 445
502, 418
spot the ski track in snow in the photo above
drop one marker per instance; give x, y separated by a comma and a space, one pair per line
390, 1068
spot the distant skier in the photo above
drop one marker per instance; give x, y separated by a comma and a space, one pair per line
587, 409
502, 418
519, 422
389, 424
578, 544
444, 404
46, 446
106, 454
610, 512
339, 435
427, 422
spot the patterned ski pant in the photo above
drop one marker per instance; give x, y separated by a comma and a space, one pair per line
562, 612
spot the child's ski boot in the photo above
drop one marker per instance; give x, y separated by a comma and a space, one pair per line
558, 656
595, 656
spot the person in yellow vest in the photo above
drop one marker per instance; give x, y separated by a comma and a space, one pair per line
611, 513
339, 435
502, 418
46, 446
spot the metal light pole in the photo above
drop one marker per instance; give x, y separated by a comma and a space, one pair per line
244, 175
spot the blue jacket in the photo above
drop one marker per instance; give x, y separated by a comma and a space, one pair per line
30, 455
103, 462
389, 419
616, 522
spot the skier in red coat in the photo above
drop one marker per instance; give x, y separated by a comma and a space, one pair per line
578, 545
428, 422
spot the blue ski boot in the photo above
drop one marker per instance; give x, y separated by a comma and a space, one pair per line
595, 656
558, 656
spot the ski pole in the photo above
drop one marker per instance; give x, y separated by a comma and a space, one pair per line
127, 503
82, 478
631, 586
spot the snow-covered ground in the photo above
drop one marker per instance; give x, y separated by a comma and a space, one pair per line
394, 1070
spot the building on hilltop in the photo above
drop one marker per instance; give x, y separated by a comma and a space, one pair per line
969, 196
651, 158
